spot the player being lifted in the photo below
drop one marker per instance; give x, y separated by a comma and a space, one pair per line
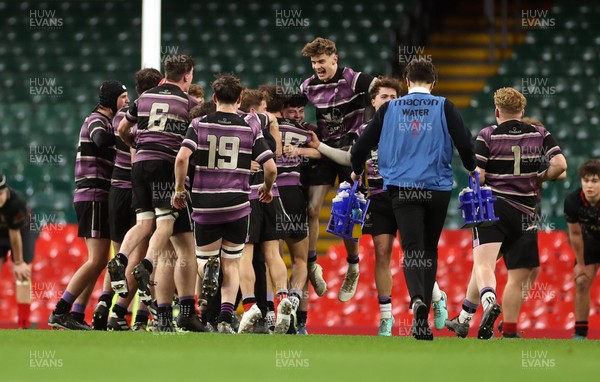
380, 221
339, 96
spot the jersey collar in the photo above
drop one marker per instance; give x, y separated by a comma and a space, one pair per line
418, 89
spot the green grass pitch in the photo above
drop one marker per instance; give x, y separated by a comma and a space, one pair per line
46, 356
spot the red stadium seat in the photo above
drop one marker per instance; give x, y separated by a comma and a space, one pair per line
549, 305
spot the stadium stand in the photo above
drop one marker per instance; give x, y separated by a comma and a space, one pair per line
547, 311
555, 68
49, 81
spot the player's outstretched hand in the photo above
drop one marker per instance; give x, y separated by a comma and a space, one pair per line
180, 199
22, 271
263, 195
314, 140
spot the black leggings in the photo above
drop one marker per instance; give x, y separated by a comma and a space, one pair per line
420, 215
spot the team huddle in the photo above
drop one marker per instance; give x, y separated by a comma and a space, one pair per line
198, 197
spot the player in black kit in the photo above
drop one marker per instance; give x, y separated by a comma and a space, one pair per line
583, 219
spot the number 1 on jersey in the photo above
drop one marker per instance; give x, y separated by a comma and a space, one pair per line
517, 154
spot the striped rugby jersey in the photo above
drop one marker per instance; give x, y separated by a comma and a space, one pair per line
288, 169
260, 121
121, 175
224, 145
340, 104
93, 165
162, 117
511, 154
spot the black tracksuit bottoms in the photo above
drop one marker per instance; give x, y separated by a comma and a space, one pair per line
420, 215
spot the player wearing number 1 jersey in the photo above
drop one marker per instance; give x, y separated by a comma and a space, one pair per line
224, 144
508, 157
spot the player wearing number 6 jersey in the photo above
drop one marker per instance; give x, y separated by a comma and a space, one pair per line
162, 117
508, 156
224, 144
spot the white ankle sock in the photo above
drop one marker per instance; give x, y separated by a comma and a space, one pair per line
465, 316
436, 295
353, 267
385, 310
487, 299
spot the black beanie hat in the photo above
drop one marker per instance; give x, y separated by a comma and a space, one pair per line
110, 91
3, 184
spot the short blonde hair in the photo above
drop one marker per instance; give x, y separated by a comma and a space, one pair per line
251, 98
509, 101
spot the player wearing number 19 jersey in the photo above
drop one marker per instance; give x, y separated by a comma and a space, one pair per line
508, 157
224, 144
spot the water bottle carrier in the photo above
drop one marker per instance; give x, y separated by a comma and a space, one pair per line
347, 215
477, 206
